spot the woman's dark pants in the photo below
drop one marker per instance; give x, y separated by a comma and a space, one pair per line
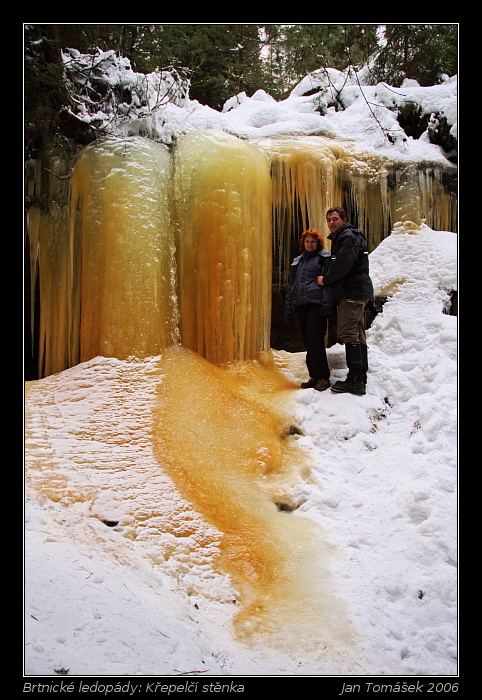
313, 329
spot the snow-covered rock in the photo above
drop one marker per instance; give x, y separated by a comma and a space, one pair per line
112, 97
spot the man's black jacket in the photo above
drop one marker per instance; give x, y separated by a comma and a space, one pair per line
349, 264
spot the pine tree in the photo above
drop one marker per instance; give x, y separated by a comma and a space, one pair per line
423, 52
45, 93
224, 59
309, 47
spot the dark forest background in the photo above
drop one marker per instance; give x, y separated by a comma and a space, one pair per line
222, 60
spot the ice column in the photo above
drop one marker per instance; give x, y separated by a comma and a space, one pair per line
222, 191
121, 242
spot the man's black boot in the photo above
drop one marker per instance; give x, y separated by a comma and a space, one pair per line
354, 382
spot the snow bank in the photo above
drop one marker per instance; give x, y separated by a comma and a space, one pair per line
387, 465
340, 105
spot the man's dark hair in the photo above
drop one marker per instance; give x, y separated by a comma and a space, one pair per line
339, 211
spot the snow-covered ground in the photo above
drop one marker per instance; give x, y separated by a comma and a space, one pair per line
119, 575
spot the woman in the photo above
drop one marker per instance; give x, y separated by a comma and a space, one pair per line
306, 300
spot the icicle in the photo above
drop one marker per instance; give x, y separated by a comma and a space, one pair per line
311, 174
46, 225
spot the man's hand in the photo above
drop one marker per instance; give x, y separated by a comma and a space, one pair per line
319, 279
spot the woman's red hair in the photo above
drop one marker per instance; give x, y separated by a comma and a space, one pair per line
314, 234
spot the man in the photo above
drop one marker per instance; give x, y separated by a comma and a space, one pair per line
353, 288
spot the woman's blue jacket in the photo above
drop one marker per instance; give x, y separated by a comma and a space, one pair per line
302, 285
